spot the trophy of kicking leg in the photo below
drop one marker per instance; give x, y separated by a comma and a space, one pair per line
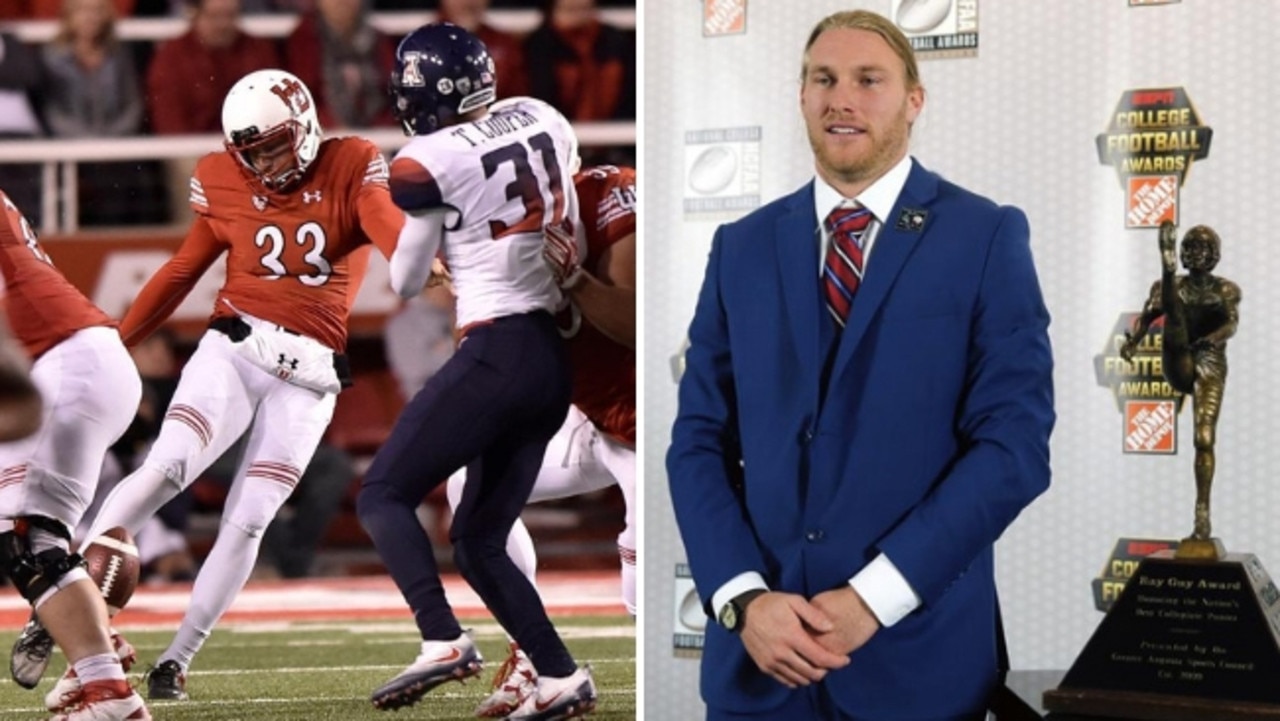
1195, 635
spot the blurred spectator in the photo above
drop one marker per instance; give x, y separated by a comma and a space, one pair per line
418, 339
51, 9
91, 86
91, 91
345, 62
178, 8
506, 49
583, 67
20, 78
191, 74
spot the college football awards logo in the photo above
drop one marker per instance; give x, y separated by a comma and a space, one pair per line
938, 28
1124, 560
1154, 136
1148, 404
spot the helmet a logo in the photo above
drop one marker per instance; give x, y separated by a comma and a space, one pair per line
411, 76
290, 92
444, 86
464, 85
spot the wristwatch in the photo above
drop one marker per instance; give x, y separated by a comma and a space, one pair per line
734, 614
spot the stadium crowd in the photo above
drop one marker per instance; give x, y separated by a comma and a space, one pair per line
86, 82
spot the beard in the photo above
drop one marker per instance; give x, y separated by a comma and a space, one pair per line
841, 163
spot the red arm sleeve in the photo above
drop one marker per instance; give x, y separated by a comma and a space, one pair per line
170, 285
380, 219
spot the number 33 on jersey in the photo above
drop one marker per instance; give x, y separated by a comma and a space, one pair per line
299, 255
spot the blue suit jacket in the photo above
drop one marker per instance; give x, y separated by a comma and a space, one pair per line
932, 436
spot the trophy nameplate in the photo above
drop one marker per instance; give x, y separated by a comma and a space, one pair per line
1188, 640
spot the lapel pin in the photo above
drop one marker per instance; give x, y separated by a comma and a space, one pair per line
912, 220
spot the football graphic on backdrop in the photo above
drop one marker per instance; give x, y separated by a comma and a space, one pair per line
920, 16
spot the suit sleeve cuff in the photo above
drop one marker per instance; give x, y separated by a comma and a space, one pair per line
740, 583
884, 590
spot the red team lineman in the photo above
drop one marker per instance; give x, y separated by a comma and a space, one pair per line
91, 390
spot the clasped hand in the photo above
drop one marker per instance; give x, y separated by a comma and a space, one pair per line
797, 641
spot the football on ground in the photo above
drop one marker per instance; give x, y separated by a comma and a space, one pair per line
112, 561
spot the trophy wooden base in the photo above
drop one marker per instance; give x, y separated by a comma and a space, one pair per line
1152, 707
1189, 639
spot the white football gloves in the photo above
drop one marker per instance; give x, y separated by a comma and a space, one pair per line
561, 251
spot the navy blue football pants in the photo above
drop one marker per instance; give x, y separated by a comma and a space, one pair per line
492, 408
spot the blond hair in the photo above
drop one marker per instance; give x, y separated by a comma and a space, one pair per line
871, 22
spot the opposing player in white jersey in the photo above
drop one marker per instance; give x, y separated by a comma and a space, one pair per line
478, 181
595, 447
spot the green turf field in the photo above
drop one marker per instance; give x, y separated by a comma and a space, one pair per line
310, 671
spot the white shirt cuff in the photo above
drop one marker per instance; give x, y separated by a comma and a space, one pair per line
885, 591
740, 583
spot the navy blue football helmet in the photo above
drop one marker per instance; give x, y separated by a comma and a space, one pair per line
441, 71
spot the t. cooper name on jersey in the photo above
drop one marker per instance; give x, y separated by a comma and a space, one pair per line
497, 125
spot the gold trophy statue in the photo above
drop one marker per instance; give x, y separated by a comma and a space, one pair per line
1200, 311
1195, 635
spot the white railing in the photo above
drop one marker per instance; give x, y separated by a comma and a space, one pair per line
392, 23
67, 154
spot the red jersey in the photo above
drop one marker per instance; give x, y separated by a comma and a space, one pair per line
604, 371
295, 258
43, 307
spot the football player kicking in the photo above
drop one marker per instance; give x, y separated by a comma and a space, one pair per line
296, 215
90, 390
595, 447
479, 180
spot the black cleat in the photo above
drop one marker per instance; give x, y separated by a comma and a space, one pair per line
167, 682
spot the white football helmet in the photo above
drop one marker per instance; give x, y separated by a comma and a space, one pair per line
266, 111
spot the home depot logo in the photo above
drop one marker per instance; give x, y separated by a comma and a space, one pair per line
1150, 427
724, 17
1152, 201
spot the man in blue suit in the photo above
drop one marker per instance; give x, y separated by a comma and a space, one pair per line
866, 406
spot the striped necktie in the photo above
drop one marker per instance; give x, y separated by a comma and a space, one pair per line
842, 270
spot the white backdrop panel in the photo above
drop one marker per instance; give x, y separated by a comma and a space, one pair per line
1016, 123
